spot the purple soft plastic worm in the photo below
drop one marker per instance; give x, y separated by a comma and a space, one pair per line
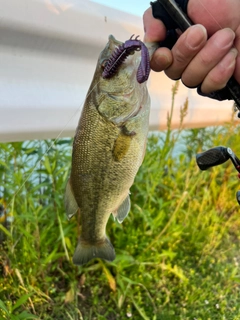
122, 52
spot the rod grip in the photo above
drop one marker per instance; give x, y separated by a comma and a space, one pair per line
212, 157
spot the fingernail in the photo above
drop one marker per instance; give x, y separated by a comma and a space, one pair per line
234, 52
226, 39
196, 35
230, 59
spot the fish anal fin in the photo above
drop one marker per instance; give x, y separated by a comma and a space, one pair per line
86, 252
71, 205
123, 210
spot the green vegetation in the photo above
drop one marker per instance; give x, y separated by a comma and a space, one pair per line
177, 251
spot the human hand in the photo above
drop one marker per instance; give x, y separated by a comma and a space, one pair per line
195, 58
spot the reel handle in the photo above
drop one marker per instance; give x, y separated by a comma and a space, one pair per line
212, 157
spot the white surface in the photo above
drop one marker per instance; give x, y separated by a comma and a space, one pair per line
48, 53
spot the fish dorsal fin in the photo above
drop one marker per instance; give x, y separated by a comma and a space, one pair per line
123, 209
71, 205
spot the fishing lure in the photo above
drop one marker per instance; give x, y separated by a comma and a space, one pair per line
122, 52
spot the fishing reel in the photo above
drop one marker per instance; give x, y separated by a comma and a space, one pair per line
216, 156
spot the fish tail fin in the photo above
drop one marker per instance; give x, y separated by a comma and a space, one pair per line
85, 252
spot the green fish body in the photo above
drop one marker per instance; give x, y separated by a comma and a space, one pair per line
108, 149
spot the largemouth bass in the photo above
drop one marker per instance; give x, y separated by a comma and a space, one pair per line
108, 149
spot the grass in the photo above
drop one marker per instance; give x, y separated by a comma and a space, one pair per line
177, 251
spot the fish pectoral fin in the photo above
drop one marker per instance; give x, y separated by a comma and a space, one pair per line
71, 205
121, 146
123, 209
86, 252
123, 143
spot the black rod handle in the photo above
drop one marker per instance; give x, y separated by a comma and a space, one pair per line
212, 157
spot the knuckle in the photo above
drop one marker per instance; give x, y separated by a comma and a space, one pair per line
180, 58
217, 81
205, 58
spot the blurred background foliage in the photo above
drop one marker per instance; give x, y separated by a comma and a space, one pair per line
177, 251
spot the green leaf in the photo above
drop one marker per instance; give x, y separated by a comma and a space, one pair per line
14, 317
5, 231
70, 295
2, 163
4, 308
54, 255
68, 243
47, 165
21, 301
30, 151
64, 141
26, 315
140, 310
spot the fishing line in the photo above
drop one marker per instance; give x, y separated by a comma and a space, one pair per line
54, 141
210, 14
214, 19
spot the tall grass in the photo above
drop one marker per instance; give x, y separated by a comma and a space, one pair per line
177, 251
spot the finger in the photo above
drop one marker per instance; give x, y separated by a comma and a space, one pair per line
154, 29
212, 53
187, 46
215, 14
218, 77
161, 60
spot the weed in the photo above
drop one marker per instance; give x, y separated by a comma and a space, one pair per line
176, 253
